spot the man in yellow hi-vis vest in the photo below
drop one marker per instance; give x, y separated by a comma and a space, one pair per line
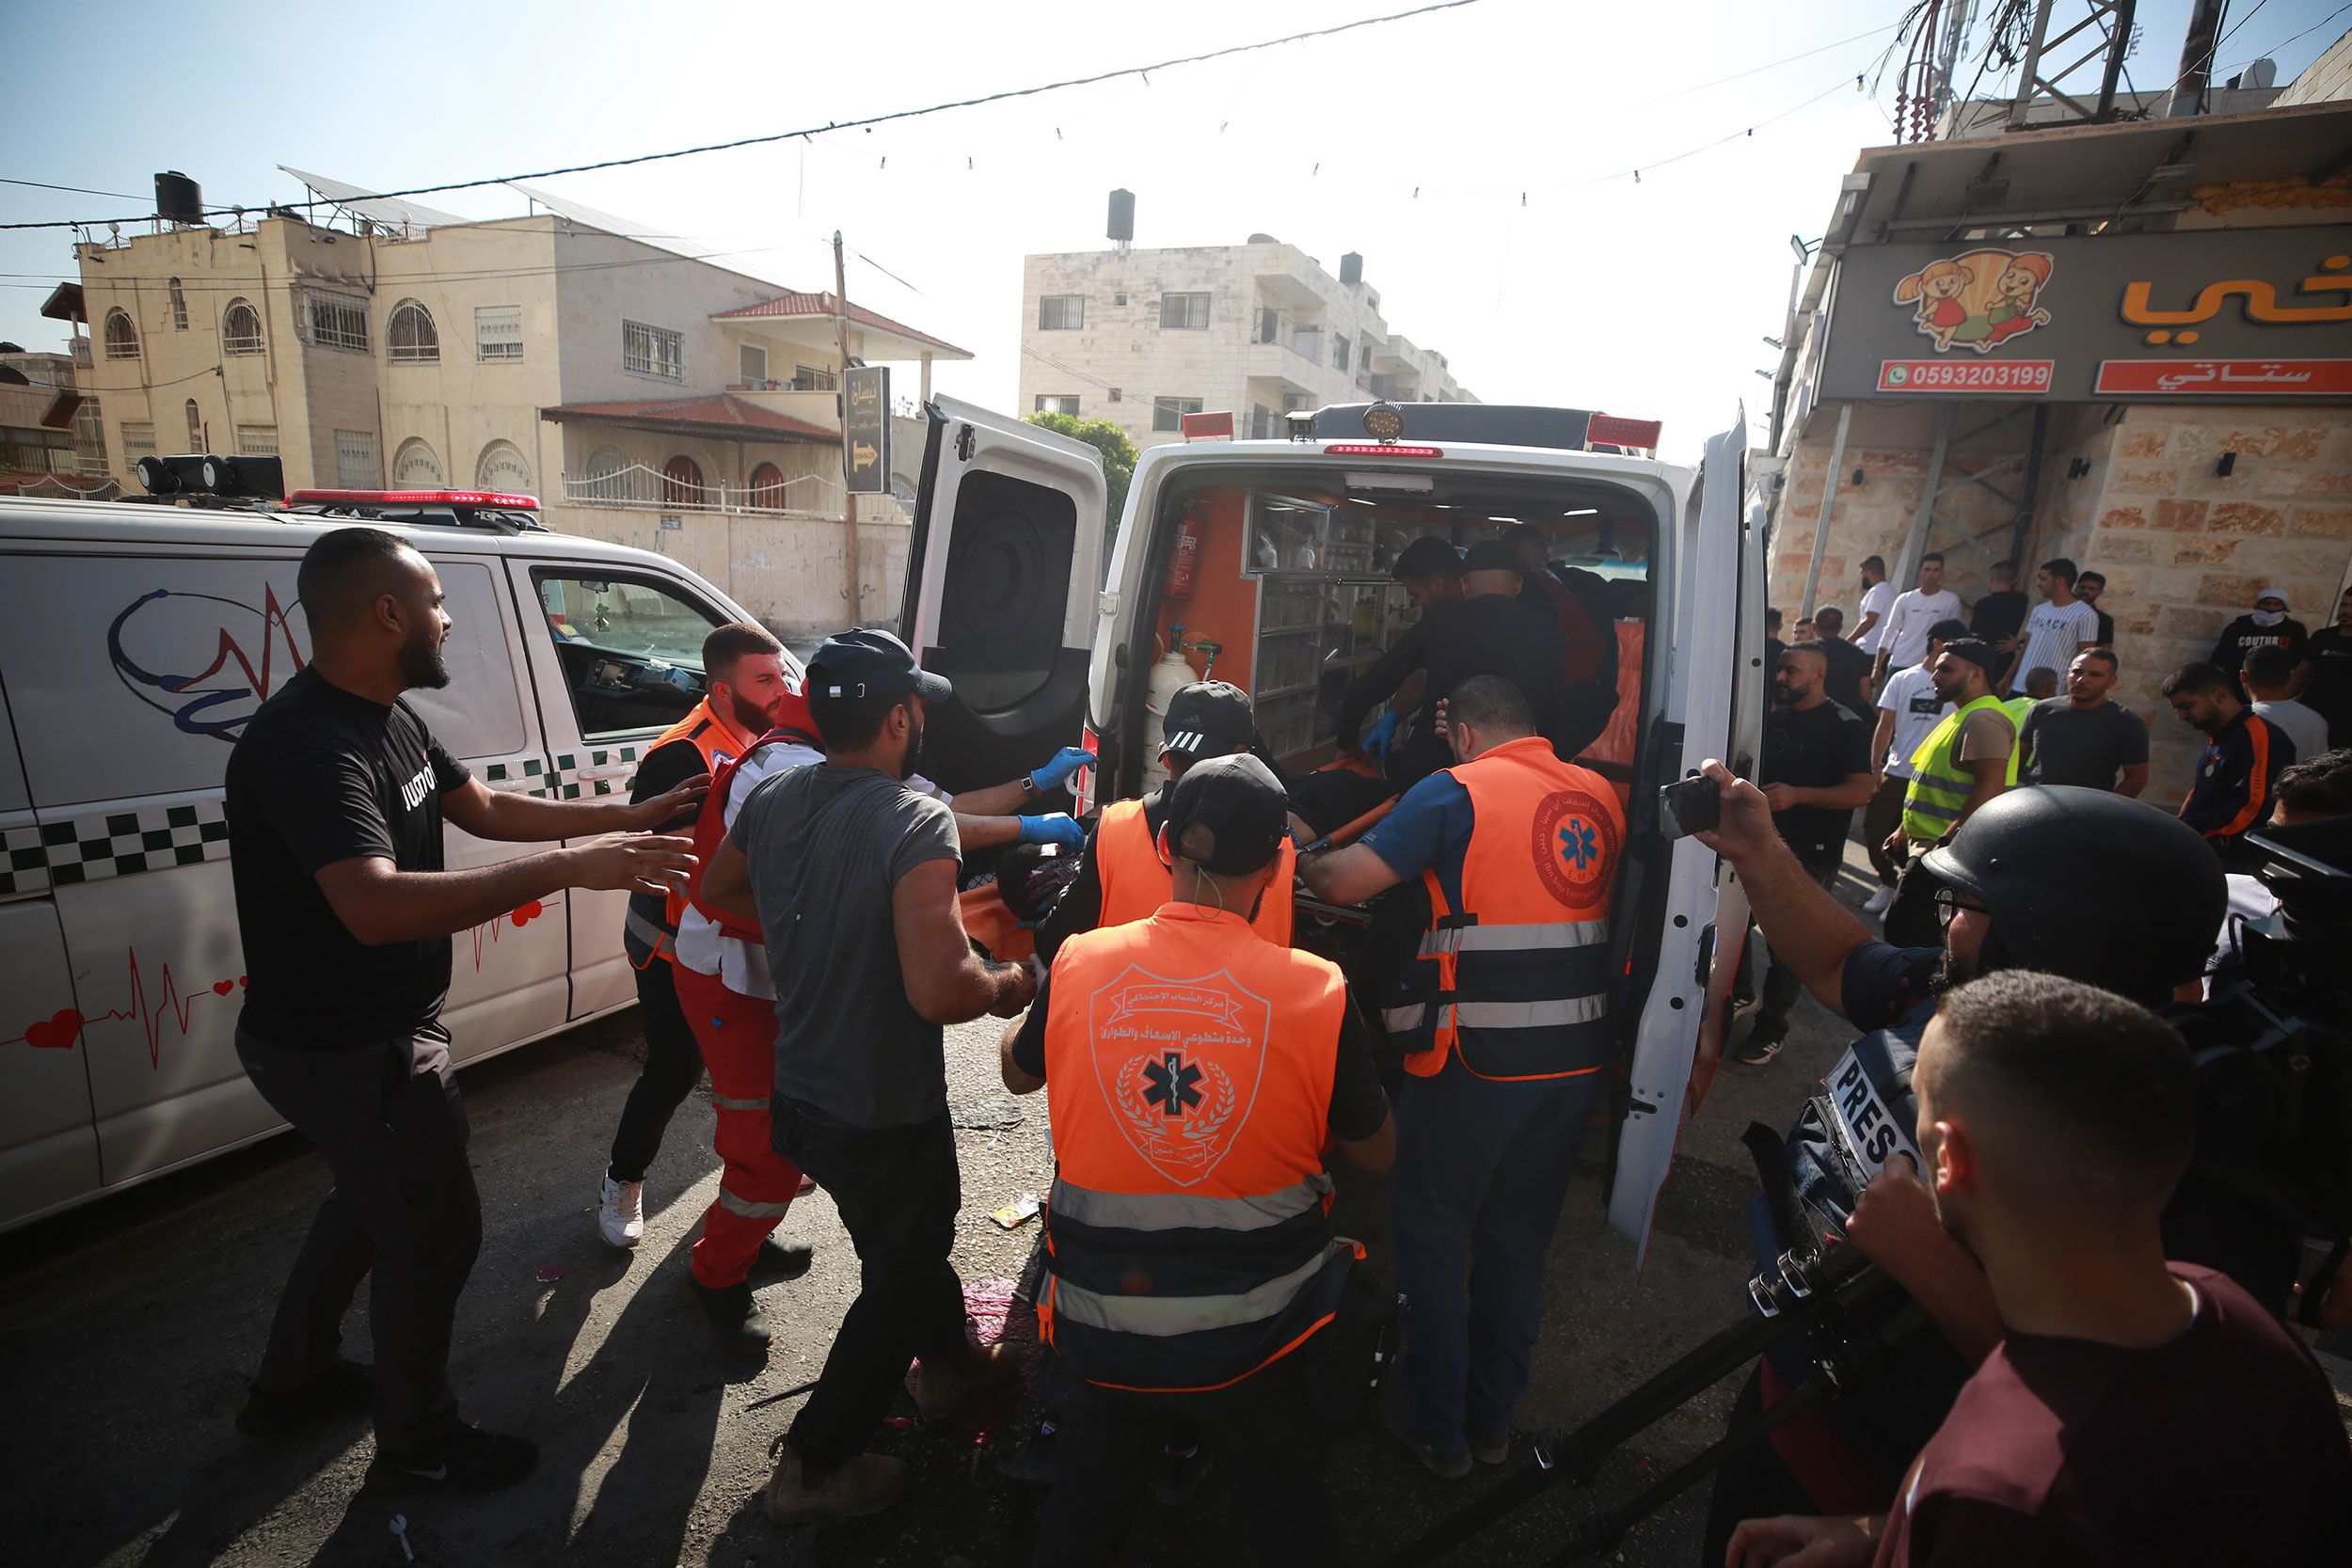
1965, 761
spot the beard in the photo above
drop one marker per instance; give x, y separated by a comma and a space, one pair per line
913, 763
422, 660
745, 716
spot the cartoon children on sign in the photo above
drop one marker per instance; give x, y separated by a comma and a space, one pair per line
1979, 299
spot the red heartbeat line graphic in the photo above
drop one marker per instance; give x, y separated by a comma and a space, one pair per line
62, 1029
273, 619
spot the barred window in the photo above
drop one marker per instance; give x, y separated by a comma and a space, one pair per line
138, 440
240, 329
196, 426
652, 351
412, 334
497, 332
257, 441
122, 338
338, 323
179, 307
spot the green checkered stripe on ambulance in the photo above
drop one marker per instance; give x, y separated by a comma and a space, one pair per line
570, 787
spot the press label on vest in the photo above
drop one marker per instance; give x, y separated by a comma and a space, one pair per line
1575, 847
1179, 1062
1871, 1132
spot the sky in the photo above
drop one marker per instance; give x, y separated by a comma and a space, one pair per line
1479, 158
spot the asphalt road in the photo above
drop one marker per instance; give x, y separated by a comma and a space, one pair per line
127, 1331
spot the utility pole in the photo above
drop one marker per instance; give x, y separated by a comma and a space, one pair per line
2197, 51
841, 409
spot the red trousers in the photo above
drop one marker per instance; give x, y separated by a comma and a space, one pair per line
737, 1036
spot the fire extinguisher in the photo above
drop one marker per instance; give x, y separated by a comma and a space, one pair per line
1184, 559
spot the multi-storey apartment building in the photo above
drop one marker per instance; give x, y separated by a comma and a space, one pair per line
1141, 338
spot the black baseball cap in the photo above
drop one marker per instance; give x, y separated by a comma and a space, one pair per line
1490, 555
1208, 718
1238, 799
863, 663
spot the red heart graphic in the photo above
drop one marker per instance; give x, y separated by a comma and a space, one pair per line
55, 1033
528, 912
222, 987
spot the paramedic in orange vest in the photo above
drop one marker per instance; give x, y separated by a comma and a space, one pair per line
1503, 1021
1196, 1072
744, 667
1121, 876
729, 1001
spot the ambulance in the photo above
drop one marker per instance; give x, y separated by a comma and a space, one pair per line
138, 643
1265, 562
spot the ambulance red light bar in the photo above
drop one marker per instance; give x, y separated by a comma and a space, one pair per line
1205, 427
414, 497
1608, 430
1379, 448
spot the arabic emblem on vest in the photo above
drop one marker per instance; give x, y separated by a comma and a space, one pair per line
1179, 1062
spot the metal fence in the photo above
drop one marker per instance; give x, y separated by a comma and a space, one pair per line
651, 489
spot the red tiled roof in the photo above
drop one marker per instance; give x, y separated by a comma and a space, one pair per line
720, 414
797, 304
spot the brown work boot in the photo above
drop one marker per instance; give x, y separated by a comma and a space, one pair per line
941, 1391
861, 1484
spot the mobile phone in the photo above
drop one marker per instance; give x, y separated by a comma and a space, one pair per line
1687, 807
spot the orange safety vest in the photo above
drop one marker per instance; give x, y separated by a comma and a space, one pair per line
1135, 883
1189, 1073
649, 930
1516, 981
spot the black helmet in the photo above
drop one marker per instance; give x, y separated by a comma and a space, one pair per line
2090, 885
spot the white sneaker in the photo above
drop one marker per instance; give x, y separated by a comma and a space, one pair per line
621, 1212
1881, 901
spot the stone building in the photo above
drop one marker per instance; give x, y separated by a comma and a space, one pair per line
1141, 338
647, 397
2145, 366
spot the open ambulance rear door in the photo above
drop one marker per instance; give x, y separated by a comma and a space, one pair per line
1001, 578
1718, 675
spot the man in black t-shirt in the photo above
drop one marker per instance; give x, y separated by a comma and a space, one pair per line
2088, 588
2322, 681
1848, 666
336, 795
1816, 771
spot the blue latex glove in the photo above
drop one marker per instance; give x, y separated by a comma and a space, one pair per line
1383, 736
1053, 827
1066, 761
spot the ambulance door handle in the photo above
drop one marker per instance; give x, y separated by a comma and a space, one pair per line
514, 786
596, 775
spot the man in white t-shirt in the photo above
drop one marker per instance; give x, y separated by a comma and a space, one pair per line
1878, 597
2058, 629
1908, 710
1915, 610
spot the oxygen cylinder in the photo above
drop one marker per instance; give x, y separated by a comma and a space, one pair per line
1171, 674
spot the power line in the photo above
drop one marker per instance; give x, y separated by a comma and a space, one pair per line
1143, 72
78, 190
1771, 65
2272, 52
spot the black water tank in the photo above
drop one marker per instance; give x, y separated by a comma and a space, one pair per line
178, 198
1122, 223
1351, 269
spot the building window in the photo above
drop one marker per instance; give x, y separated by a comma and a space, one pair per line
138, 440
504, 468
90, 437
1339, 351
355, 458
751, 363
1189, 312
1061, 312
336, 323
122, 338
31, 449
196, 426
178, 305
811, 378
1118, 299
1116, 393
1260, 422
766, 486
681, 481
1052, 403
418, 466
240, 329
497, 332
257, 441
652, 351
411, 336
1169, 413
1269, 328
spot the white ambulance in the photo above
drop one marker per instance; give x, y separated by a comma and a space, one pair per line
138, 642
1265, 562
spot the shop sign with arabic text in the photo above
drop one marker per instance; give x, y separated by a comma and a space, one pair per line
2222, 314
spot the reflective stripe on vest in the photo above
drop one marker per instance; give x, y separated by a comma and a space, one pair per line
650, 931
1134, 883
1517, 982
1940, 784
1188, 1067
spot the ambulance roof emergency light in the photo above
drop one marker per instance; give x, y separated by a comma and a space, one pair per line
414, 497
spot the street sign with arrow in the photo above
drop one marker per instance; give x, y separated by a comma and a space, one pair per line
865, 430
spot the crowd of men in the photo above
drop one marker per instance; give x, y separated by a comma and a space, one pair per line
803, 932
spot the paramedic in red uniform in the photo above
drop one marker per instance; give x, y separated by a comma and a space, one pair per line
336, 794
1196, 1072
1502, 1023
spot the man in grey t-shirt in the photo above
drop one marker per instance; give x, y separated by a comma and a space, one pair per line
2083, 738
853, 878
